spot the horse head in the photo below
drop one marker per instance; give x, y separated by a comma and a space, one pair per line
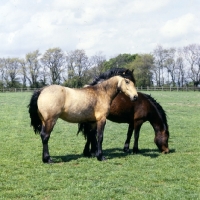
128, 88
161, 140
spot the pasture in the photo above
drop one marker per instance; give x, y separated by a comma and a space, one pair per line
147, 175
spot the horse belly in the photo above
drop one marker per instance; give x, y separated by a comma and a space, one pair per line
76, 116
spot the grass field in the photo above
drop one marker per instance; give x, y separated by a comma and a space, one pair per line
147, 175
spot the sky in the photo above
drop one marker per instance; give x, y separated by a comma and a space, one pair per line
109, 26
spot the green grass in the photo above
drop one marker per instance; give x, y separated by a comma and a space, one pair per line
148, 175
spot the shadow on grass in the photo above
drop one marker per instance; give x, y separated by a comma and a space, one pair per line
117, 152
111, 154
67, 158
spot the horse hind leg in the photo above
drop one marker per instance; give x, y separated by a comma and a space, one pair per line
45, 135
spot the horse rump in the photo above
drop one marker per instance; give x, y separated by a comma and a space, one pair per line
33, 112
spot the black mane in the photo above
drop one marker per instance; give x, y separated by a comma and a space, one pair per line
125, 73
159, 108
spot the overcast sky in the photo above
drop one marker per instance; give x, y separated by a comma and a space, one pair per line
110, 26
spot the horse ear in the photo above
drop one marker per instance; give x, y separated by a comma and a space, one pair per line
132, 70
126, 72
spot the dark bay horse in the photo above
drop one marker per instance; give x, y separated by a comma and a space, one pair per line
89, 104
122, 110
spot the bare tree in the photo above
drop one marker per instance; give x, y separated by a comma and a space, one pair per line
170, 64
23, 71
11, 71
97, 62
160, 57
55, 60
1, 72
192, 56
33, 68
181, 68
78, 65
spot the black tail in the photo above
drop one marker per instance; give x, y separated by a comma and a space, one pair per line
82, 127
33, 111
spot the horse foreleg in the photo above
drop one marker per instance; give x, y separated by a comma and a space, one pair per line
129, 135
100, 129
136, 138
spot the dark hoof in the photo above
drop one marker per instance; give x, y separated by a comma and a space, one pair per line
87, 154
48, 161
126, 150
135, 150
93, 154
101, 158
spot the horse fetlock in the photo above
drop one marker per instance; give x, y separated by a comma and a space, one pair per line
86, 153
100, 157
135, 150
47, 160
126, 148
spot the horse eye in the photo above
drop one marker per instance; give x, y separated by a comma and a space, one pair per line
127, 81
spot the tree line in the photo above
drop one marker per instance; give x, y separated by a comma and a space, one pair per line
164, 66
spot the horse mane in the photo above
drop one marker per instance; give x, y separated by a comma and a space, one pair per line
159, 108
123, 72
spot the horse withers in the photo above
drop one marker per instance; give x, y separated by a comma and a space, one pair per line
89, 104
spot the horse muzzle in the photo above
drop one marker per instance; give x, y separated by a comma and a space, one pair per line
134, 98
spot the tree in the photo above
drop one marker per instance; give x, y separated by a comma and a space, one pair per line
11, 71
143, 66
170, 64
160, 56
33, 68
192, 56
55, 60
97, 65
119, 61
1, 72
78, 65
181, 68
23, 71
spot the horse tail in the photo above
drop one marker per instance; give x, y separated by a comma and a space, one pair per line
82, 127
33, 112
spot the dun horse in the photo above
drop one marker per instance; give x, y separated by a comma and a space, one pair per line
89, 104
122, 110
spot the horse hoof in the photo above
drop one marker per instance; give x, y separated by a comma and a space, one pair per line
48, 161
93, 154
135, 151
87, 154
126, 150
101, 158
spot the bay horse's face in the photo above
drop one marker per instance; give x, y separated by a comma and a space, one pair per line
128, 88
161, 140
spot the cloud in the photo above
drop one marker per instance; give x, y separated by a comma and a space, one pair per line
143, 6
178, 26
112, 26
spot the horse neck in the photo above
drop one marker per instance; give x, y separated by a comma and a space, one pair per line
157, 120
110, 87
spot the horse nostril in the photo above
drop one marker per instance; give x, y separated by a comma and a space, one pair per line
135, 97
